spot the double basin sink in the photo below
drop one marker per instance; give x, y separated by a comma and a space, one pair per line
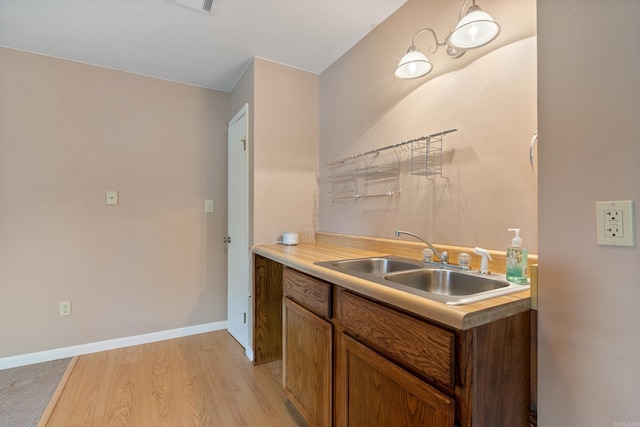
433, 281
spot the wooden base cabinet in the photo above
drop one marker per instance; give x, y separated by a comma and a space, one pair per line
351, 361
472, 378
376, 392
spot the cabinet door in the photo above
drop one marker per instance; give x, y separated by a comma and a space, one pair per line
307, 363
375, 392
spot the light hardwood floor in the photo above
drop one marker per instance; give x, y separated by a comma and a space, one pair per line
200, 380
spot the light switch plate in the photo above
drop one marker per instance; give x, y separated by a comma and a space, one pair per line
208, 205
614, 223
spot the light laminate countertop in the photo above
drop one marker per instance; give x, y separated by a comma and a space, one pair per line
303, 256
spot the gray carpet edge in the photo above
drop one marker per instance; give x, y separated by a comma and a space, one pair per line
25, 391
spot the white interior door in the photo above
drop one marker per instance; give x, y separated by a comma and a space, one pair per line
238, 230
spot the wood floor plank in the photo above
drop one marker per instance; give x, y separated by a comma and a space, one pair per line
121, 396
200, 380
160, 404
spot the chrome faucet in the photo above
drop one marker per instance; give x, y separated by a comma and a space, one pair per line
443, 257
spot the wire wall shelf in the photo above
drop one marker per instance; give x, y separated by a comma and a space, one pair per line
353, 180
370, 175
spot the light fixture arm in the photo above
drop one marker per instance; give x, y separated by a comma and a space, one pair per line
463, 10
435, 37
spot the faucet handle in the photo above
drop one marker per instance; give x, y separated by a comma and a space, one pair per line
464, 260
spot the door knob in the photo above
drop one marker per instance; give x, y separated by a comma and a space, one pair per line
227, 239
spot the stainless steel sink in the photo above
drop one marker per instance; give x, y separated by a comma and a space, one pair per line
377, 265
446, 282
452, 287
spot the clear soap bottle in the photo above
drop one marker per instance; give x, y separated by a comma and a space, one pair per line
517, 260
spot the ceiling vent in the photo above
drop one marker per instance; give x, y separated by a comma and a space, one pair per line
205, 6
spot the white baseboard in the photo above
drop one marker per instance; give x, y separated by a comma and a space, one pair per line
76, 350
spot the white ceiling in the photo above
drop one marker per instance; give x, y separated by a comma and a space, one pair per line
161, 39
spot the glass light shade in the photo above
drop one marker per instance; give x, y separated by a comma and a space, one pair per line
413, 64
475, 29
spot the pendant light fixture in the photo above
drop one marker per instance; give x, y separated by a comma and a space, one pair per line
415, 64
476, 28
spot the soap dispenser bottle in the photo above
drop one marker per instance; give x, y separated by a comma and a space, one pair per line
517, 260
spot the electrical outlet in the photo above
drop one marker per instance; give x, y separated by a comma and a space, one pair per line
112, 198
65, 308
614, 223
613, 226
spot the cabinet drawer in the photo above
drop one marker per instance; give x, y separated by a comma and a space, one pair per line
309, 292
419, 346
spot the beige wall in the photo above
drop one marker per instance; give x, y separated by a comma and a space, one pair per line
589, 104
490, 98
285, 150
68, 133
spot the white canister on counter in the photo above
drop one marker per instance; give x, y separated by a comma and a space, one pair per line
289, 238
